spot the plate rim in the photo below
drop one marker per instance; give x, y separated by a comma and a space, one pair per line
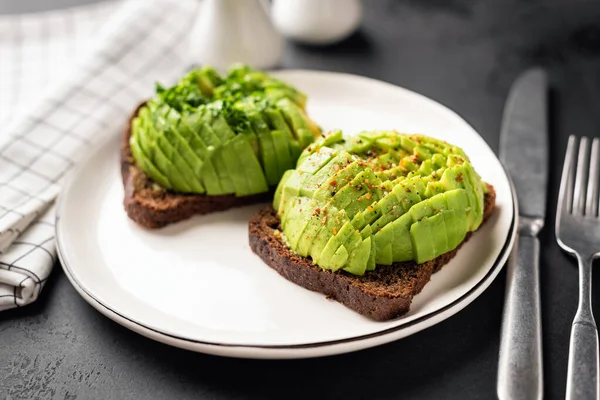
171, 339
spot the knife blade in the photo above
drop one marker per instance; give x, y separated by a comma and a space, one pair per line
524, 153
524, 141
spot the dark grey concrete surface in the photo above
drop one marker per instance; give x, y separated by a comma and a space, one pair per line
463, 53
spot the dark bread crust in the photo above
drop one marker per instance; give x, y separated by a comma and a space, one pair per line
382, 294
154, 207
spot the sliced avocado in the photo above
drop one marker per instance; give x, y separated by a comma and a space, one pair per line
183, 149
277, 122
408, 192
359, 257
147, 164
340, 236
344, 175
359, 194
235, 169
297, 120
469, 172
456, 227
205, 132
269, 155
329, 224
255, 177
439, 233
291, 187
339, 258
279, 190
221, 128
383, 245
402, 247
182, 170
166, 158
295, 150
397, 194
390, 206
309, 235
298, 217
462, 180
141, 124
367, 233
280, 141
422, 242
214, 144
322, 177
164, 165
421, 210
208, 174
315, 161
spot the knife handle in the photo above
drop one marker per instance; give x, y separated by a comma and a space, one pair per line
520, 374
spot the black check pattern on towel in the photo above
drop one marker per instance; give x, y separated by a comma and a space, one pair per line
143, 42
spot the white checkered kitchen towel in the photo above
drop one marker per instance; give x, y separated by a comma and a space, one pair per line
68, 79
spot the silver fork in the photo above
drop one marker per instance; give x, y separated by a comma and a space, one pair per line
578, 232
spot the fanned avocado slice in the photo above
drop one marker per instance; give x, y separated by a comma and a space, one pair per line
423, 246
169, 127
194, 163
339, 237
359, 194
208, 173
321, 179
329, 224
341, 178
299, 217
440, 233
282, 150
295, 150
310, 234
146, 163
219, 125
234, 167
161, 153
142, 124
402, 248
478, 192
296, 118
279, 124
269, 155
256, 180
313, 162
209, 137
359, 257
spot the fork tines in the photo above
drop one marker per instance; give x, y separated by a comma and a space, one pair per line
581, 172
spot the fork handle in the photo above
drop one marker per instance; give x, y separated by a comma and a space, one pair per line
520, 374
582, 375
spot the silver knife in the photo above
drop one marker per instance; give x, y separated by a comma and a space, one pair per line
524, 153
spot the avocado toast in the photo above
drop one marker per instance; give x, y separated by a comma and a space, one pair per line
210, 143
367, 220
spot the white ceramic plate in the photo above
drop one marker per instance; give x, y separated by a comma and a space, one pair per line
197, 285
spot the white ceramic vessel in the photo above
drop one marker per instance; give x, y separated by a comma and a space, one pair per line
319, 22
229, 31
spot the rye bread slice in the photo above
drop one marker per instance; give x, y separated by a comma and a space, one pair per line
382, 294
151, 206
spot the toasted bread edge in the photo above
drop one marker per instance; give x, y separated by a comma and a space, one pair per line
383, 294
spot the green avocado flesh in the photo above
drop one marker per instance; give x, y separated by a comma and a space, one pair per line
215, 135
378, 197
